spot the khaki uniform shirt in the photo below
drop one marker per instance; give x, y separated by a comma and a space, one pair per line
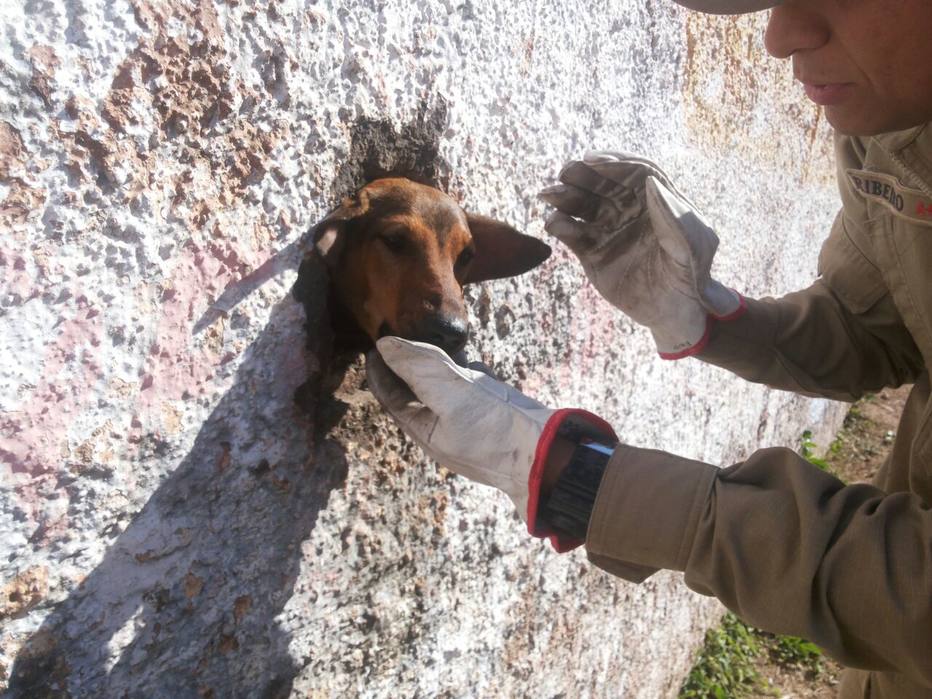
787, 547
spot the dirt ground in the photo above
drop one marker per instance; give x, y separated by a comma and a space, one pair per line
859, 450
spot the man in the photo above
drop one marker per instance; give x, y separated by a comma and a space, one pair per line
786, 546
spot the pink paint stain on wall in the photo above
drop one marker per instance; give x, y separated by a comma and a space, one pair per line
17, 282
33, 435
34, 438
182, 365
177, 367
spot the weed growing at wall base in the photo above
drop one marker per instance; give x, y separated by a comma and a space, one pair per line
808, 450
727, 667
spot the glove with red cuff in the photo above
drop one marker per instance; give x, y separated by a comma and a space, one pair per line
478, 427
643, 246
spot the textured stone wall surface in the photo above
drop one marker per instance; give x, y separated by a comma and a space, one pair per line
173, 524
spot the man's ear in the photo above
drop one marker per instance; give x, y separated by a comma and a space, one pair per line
501, 251
328, 236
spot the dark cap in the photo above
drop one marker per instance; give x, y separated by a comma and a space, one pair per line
728, 7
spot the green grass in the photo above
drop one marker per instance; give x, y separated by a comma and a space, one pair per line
727, 665
791, 651
808, 448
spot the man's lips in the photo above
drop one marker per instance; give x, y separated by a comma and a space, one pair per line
828, 94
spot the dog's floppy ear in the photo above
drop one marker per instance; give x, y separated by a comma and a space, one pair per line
501, 251
328, 235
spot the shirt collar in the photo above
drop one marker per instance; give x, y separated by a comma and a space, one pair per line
912, 148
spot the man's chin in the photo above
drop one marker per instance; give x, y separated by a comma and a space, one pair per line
850, 121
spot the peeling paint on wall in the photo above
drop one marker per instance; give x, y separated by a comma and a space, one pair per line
175, 524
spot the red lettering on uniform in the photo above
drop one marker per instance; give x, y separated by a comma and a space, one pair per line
923, 209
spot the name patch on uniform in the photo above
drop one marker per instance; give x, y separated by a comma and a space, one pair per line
887, 190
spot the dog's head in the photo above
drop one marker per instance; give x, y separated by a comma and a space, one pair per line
399, 254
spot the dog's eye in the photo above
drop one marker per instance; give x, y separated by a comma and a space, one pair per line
465, 257
395, 242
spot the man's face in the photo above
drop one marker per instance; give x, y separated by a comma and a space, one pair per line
867, 62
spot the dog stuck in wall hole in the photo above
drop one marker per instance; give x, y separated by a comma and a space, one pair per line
398, 254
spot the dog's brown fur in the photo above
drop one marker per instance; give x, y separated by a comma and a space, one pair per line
399, 254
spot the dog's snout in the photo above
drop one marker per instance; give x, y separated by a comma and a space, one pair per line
447, 332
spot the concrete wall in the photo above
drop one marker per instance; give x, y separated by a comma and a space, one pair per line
173, 525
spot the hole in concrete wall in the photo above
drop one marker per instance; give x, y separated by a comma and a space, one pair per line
377, 150
334, 340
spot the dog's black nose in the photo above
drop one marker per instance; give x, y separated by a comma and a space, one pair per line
447, 332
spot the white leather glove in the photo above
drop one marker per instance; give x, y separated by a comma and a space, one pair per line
470, 423
643, 246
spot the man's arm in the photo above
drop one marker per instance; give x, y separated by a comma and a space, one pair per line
649, 253
787, 547
840, 338
809, 342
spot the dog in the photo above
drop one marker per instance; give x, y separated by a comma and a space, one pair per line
398, 255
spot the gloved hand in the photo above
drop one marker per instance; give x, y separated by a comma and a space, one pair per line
470, 423
643, 246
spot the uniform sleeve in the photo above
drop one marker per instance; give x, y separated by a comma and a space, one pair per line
838, 339
785, 546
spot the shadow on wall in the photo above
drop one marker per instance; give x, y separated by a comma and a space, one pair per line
184, 602
198, 577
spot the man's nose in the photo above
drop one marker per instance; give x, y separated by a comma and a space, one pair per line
795, 27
